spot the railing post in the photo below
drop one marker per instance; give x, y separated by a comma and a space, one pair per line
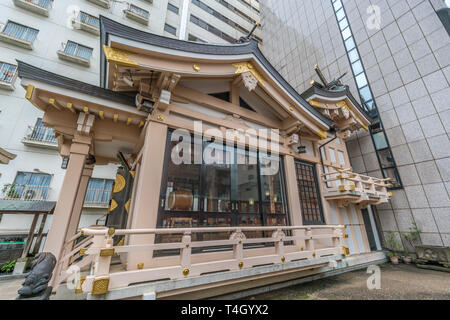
103, 259
185, 252
238, 247
280, 236
309, 242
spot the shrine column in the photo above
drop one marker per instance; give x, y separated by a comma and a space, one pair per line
66, 204
146, 205
79, 201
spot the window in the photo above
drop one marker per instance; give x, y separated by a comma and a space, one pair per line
28, 186
98, 191
78, 50
139, 11
170, 29
7, 72
221, 195
89, 19
379, 138
308, 190
21, 32
42, 133
172, 8
195, 39
219, 16
237, 11
211, 29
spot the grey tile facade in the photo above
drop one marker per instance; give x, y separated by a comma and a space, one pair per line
407, 62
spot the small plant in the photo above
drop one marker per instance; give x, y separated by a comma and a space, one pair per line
8, 266
411, 237
10, 191
391, 243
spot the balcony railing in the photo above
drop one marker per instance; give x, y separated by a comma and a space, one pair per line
137, 14
74, 52
8, 75
292, 247
87, 23
97, 198
37, 6
347, 187
41, 135
19, 35
25, 192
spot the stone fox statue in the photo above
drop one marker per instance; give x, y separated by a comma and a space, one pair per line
36, 282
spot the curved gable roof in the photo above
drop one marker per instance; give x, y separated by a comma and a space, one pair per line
109, 27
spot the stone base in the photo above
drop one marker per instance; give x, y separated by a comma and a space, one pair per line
22, 265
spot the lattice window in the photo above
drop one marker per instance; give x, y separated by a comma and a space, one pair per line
309, 194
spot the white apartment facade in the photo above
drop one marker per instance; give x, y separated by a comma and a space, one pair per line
62, 36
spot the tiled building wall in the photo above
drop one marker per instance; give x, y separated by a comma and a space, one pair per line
407, 64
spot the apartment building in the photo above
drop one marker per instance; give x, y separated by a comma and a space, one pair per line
396, 54
62, 36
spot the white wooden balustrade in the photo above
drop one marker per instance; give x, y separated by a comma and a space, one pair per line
286, 244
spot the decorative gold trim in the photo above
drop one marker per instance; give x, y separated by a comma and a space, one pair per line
346, 251
291, 108
113, 205
29, 93
314, 254
186, 272
243, 67
119, 184
82, 231
107, 252
390, 194
83, 251
160, 117
119, 56
302, 249
283, 259
111, 231
240, 265
345, 236
127, 205
140, 265
365, 127
79, 288
196, 67
100, 286
187, 245
323, 134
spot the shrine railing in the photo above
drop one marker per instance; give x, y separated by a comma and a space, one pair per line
272, 245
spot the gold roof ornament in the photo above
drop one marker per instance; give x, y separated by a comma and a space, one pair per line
119, 56
243, 67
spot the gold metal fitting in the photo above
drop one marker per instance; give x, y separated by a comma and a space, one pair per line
302, 249
160, 117
291, 108
345, 236
240, 241
281, 239
186, 272
111, 231
312, 82
83, 251
82, 231
79, 288
107, 252
196, 67
390, 194
140, 265
187, 245
283, 259
314, 254
346, 251
100, 286
240, 265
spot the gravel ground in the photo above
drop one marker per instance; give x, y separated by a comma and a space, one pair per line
398, 282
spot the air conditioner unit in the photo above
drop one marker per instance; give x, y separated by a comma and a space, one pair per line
33, 194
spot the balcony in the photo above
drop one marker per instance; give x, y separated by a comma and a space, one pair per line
87, 22
19, 35
345, 187
245, 252
8, 75
41, 7
137, 14
97, 198
102, 3
76, 53
25, 192
40, 136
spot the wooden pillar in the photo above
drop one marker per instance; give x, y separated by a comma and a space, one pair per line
39, 235
79, 201
66, 202
30, 236
148, 190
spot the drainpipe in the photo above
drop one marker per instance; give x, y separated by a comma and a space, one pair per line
323, 145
